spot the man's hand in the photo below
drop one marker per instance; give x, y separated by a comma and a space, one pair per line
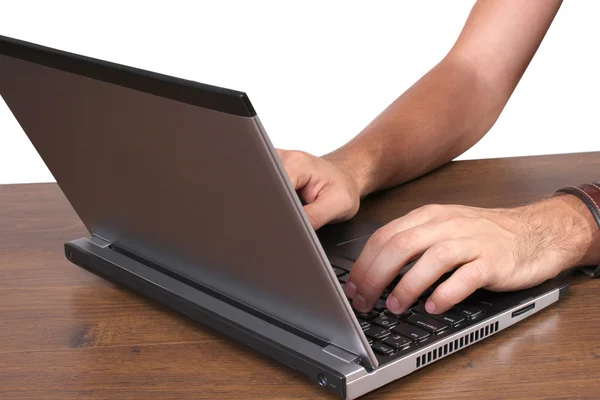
496, 249
329, 192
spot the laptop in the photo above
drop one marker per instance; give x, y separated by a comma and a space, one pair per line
187, 203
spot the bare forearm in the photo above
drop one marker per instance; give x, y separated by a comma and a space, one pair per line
456, 103
438, 118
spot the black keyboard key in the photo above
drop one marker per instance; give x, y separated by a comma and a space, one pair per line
367, 316
470, 312
370, 341
377, 333
386, 321
380, 305
427, 323
383, 349
364, 324
449, 316
484, 299
339, 271
484, 303
397, 342
411, 332
344, 278
385, 294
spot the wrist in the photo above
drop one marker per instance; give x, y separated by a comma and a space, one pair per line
358, 164
567, 231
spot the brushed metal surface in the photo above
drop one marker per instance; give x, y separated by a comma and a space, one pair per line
195, 190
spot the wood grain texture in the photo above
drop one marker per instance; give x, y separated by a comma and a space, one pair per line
67, 334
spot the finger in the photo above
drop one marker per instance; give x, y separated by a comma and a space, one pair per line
326, 208
303, 175
394, 255
298, 173
376, 243
415, 218
460, 285
297, 166
435, 262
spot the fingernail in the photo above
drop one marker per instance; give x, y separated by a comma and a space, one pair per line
430, 307
350, 289
393, 305
359, 303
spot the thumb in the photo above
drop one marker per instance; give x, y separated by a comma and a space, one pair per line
324, 209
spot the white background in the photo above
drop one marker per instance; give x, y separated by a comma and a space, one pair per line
317, 71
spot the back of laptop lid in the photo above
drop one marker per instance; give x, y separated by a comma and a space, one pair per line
183, 175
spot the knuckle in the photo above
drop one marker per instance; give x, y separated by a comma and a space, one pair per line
474, 274
405, 289
294, 156
347, 202
443, 252
481, 222
379, 238
403, 241
430, 210
359, 273
470, 223
463, 221
367, 286
443, 217
439, 212
414, 212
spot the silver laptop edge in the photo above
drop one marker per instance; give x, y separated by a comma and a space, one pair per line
364, 350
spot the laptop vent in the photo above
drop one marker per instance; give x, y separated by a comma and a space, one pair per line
456, 345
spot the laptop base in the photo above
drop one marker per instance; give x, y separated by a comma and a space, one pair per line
331, 368
325, 366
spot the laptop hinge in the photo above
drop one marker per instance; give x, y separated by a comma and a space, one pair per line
99, 241
340, 353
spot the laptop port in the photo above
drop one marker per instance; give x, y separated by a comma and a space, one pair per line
322, 379
523, 310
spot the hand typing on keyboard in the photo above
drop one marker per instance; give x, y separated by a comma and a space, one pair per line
496, 249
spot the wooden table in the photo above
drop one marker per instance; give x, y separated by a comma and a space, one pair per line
67, 334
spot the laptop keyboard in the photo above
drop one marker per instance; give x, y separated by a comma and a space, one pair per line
390, 334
